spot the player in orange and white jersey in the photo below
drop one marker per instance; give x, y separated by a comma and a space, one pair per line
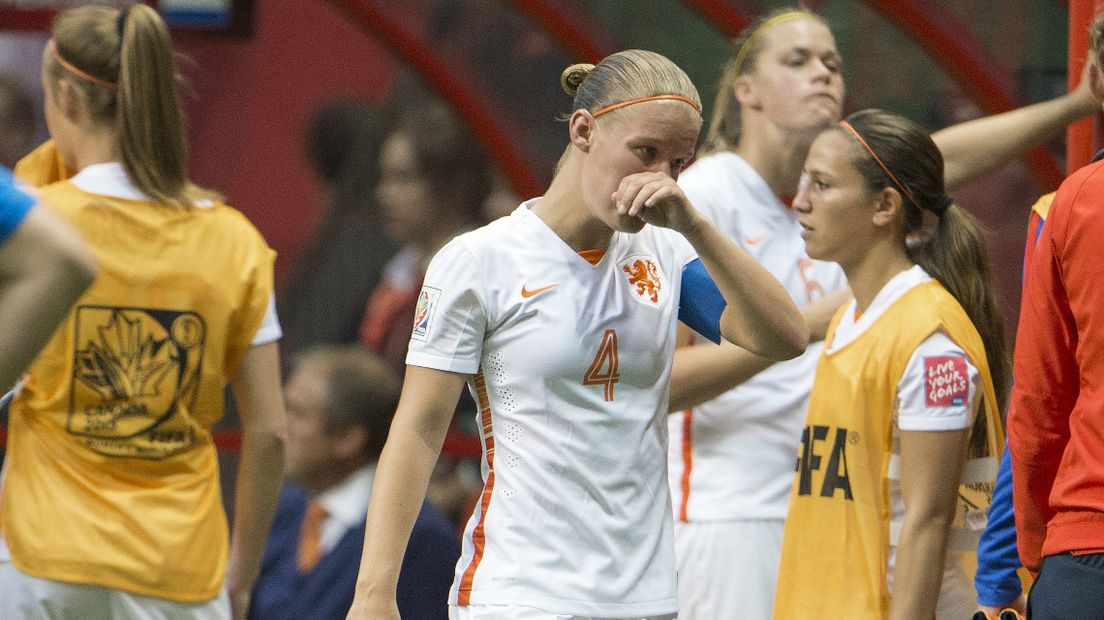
561, 320
732, 451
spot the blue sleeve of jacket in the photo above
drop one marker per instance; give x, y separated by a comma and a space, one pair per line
14, 205
996, 580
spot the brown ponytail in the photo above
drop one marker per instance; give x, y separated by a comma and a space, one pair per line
954, 252
131, 52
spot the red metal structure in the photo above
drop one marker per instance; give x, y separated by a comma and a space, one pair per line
1083, 138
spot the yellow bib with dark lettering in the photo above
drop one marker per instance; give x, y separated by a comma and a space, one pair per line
112, 477
837, 534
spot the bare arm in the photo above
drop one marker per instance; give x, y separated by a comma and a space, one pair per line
44, 267
417, 432
260, 402
979, 146
931, 467
704, 371
760, 316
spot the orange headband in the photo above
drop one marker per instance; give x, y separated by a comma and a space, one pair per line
777, 19
885, 169
611, 108
75, 71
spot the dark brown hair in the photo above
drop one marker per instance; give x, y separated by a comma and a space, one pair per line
954, 252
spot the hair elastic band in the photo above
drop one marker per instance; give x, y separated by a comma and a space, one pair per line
75, 71
120, 23
943, 203
611, 108
885, 169
777, 19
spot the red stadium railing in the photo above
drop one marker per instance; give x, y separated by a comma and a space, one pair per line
958, 52
579, 33
470, 108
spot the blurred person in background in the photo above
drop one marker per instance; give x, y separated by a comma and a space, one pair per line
433, 183
18, 120
340, 401
343, 260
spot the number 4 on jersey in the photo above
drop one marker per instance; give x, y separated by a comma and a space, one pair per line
603, 370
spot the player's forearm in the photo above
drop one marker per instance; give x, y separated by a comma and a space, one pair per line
257, 393
918, 573
398, 491
976, 147
760, 316
256, 493
703, 372
45, 267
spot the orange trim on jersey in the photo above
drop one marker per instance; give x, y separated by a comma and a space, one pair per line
479, 537
687, 462
592, 256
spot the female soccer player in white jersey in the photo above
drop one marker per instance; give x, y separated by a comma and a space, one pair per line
901, 441
561, 319
732, 458
111, 504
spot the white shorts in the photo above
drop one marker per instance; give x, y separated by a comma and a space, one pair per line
519, 612
727, 569
24, 597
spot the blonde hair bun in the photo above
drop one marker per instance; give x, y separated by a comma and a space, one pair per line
573, 76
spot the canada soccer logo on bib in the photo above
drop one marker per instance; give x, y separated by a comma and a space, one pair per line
946, 381
645, 280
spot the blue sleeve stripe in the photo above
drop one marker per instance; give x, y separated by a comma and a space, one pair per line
14, 205
701, 302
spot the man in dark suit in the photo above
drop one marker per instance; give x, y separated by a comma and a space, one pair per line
340, 401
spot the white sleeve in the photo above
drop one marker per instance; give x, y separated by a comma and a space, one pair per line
269, 331
450, 321
705, 192
939, 388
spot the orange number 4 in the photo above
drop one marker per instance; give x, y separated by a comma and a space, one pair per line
603, 370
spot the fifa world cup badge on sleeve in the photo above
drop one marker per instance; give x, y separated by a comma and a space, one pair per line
423, 313
945, 381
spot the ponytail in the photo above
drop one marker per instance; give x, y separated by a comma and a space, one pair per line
149, 120
897, 153
124, 64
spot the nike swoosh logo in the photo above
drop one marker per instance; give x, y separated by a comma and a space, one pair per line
526, 293
754, 240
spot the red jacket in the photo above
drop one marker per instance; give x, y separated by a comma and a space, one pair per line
1056, 414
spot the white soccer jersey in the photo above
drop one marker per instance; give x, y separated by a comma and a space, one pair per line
569, 364
733, 457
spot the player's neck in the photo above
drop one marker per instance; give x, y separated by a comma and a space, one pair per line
777, 156
869, 273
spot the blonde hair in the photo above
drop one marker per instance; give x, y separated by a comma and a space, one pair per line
626, 76
129, 56
724, 128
